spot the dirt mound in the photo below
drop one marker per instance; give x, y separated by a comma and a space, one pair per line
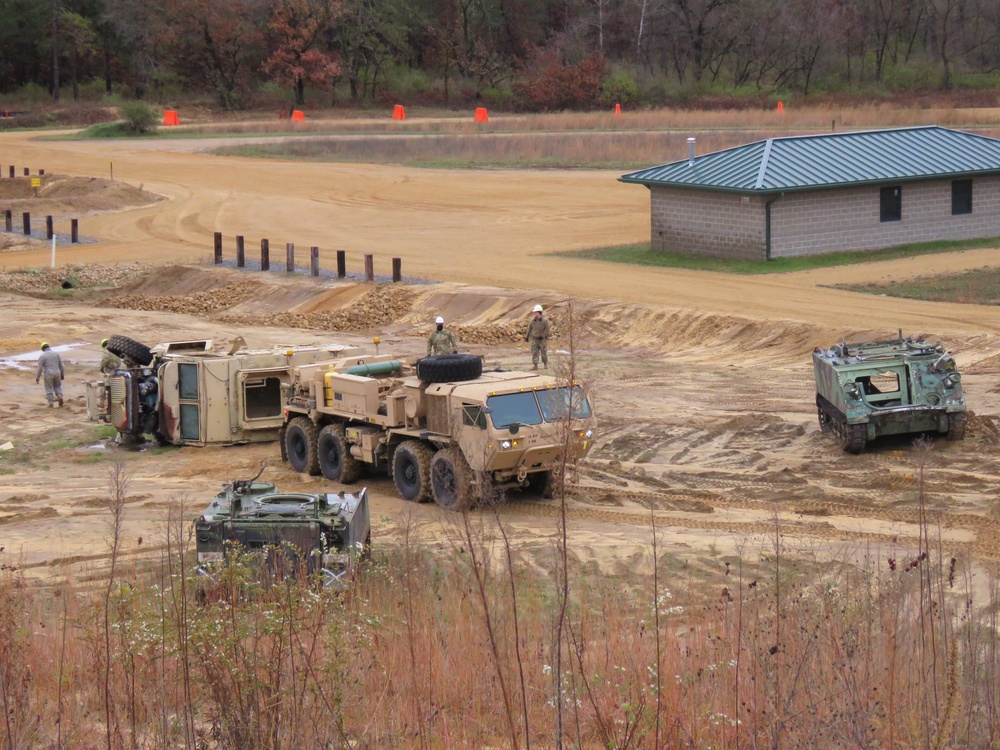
61, 196
382, 306
199, 303
45, 282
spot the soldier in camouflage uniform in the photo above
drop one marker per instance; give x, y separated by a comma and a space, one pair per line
538, 335
51, 367
441, 340
109, 362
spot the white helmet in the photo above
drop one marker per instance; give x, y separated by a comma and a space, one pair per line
536, 308
439, 319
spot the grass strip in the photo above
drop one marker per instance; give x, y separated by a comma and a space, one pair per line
644, 255
978, 287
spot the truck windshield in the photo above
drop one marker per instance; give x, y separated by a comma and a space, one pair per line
514, 407
556, 403
552, 405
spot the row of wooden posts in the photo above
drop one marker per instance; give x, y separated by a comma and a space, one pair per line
265, 259
8, 221
27, 172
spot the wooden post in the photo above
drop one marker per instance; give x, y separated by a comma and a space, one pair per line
26, 219
74, 231
241, 259
314, 261
341, 264
218, 248
8, 221
290, 257
397, 270
265, 255
48, 228
369, 267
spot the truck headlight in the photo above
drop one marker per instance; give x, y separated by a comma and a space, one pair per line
853, 390
585, 434
951, 380
506, 445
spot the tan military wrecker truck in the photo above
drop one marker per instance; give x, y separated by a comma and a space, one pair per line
442, 429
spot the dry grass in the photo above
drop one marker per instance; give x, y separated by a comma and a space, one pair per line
979, 287
767, 649
567, 140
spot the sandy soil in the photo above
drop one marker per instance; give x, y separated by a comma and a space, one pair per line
702, 382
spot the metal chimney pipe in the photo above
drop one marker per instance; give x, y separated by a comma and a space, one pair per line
691, 142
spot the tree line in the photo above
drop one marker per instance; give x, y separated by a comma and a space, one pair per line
532, 54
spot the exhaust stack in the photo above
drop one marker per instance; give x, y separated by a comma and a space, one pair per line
691, 142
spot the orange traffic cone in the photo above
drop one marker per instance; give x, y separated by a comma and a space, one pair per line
399, 112
781, 108
170, 117
481, 115
298, 116
618, 109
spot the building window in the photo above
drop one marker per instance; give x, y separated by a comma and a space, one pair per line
891, 204
961, 197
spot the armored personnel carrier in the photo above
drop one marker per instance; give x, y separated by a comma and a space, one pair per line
890, 387
324, 533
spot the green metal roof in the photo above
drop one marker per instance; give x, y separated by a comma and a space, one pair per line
807, 162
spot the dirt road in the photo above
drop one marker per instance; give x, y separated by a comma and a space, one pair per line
702, 381
492, 227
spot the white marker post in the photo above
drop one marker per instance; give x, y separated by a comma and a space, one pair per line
53, 250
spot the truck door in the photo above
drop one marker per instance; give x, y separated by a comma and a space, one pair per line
473, 435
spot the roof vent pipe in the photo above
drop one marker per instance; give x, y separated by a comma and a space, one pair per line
691, 142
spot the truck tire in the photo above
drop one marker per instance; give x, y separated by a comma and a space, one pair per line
335, 460
300, 444
411, 471
123, 346
956, 427
451, 480
449, 368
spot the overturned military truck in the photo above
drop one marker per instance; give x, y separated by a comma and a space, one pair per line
187, 393
890, 387
443, 429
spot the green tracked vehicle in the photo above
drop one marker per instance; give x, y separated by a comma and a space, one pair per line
890, 387
319, 533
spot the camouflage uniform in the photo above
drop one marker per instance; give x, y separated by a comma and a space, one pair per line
51, 367
441, 342
110, 362
538, 335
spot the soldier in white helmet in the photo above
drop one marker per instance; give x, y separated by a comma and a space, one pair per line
441, 340
538, 335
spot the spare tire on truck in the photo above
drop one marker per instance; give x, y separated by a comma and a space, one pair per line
123, 346
448, 368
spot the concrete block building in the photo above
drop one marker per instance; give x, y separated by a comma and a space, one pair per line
804, 195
